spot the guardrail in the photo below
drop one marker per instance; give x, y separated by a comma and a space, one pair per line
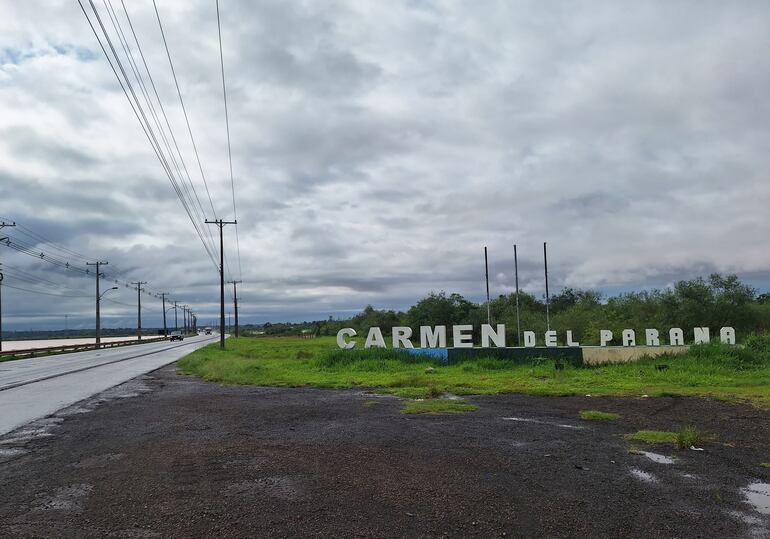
69, 348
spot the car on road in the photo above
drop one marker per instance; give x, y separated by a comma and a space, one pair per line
208, 331
176, 336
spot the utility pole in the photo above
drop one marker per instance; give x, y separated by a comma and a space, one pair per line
3, 224
139, 307
176, 319
98, 301
184, 314
163, 297
221, 224
235, 303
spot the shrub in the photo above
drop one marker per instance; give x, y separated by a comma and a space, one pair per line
733, 357
688, 437
758, 343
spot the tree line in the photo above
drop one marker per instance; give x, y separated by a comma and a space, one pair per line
714, 302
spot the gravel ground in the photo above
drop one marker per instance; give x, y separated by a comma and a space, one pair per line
167, 455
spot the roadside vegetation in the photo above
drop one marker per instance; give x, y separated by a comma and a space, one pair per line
596, 415
438, 406
684, 438
713, 370
713, 302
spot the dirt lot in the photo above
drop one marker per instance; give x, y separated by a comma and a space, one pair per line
168, 455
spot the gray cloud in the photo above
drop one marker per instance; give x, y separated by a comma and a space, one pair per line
379, 146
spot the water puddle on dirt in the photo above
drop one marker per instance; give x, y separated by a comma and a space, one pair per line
541, 422
660, 459
641, 475
758, 495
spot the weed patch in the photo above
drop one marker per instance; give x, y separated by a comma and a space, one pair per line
683, 438
596, 415
438, 406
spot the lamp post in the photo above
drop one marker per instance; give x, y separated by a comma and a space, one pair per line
98, 316
1, 311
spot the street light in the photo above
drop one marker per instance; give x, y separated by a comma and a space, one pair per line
98, 317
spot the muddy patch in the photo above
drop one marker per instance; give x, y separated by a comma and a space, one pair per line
69, 499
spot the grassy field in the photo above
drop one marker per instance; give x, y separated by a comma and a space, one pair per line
715, 371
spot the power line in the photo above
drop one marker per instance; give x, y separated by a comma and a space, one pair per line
165, 117
187, 119
184, 109
229, 148
140, 80
42, 293
139, 113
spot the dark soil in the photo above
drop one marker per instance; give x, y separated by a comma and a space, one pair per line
168, 455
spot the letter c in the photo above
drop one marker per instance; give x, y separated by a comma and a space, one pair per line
341, 338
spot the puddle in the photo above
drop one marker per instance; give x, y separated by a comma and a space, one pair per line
660, 459
541, 422
10, 453
758, 495
641, 475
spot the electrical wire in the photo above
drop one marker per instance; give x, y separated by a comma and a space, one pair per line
139, 113
229, 147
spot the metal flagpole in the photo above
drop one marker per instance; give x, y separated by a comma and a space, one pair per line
516, 273
547, 299
486, 272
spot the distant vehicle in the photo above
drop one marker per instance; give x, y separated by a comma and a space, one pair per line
208, 331
176, 336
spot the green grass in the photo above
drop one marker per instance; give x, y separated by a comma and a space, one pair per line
683, 438
653, 436
596, 415
688, 437
715, 371
765, 464
438, 406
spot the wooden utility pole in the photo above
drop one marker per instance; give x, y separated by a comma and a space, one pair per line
165, 328
139, 307
235, 303
98, 301
221, 224
3, 224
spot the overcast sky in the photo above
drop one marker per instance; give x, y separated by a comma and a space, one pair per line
378, 146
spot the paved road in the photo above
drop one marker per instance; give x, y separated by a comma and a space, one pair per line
36, 387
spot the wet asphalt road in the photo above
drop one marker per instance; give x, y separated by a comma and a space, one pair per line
168, 456
38, 386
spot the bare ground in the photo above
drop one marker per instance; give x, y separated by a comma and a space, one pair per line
167, 455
